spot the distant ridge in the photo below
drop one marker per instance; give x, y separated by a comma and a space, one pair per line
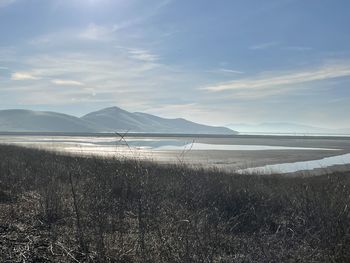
117, 119
111, 119
284, 127
40, 121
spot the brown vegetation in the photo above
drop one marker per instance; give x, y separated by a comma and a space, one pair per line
56, 208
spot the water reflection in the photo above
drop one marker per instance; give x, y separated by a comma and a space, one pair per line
147, 143
226, 154
298, 166
233, 147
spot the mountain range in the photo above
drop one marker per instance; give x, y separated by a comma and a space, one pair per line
284, 127
111, 119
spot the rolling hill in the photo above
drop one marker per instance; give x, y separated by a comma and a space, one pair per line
111, 119
117, 119
41, 121
284, 127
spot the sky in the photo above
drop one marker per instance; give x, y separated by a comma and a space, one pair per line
214, 62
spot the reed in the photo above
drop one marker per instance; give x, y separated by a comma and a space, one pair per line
61, 208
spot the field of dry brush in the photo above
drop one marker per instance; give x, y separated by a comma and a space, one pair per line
57, 208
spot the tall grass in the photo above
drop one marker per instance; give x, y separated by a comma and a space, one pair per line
85, 209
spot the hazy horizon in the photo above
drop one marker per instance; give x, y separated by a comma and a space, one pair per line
214, 63
259, 127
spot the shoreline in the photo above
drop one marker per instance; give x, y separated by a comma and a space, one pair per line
225, 160
179, 135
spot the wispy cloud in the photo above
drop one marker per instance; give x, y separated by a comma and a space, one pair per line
206, 114
231, 71
224, 71
262, 46
75, 36
143, 16
143, 55
65, 82
96, 32
23, 76
87, 75
281, 81
280, 46
125, 24
4, 3
297, 48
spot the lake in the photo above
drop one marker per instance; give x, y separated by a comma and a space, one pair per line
241, 153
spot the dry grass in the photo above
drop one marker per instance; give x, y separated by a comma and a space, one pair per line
56, 208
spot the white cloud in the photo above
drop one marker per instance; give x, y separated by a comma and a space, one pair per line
65, 82
94, 76
143, 55
23, 76
281, 81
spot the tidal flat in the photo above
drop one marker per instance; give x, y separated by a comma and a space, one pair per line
228, 153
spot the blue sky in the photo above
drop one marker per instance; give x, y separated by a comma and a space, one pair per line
215, 62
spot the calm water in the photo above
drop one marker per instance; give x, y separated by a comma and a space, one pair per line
233, 147
299, 166
255, 154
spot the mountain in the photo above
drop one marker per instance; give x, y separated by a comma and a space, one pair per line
42, 121
117, 119
106, 120
284, 127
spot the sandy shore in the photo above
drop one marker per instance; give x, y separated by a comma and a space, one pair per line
228, 160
